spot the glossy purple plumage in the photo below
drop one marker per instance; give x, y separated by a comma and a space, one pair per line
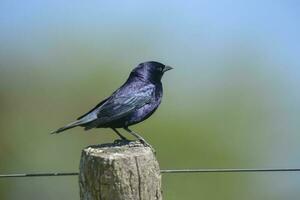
136, 100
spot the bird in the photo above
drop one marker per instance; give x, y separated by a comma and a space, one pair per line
135, 101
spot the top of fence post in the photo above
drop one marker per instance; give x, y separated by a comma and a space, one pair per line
119, 171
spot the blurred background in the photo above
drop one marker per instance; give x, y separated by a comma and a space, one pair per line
231, 102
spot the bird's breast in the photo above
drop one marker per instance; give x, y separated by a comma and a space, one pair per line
147, 110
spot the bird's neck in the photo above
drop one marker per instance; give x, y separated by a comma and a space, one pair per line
143, 78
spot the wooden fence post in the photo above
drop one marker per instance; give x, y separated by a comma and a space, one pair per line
119, 171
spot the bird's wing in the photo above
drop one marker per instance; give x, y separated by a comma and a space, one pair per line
121, 105
97, 106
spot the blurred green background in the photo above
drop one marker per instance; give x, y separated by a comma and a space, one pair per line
231, 102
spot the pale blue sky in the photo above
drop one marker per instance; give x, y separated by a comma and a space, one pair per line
210, 24
193, 34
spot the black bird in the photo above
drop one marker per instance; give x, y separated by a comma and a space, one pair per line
133, 102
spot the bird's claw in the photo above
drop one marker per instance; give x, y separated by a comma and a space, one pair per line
146, 144
121, 141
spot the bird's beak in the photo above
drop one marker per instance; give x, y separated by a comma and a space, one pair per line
167, 68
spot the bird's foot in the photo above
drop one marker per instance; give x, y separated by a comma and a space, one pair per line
122, 141
140, 138
146, 144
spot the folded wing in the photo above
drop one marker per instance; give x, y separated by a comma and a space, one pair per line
120, 105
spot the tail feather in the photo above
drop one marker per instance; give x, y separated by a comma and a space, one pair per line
69, 126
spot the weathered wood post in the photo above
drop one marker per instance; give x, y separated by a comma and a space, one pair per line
119, 171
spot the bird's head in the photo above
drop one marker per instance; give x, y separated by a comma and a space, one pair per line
150, 71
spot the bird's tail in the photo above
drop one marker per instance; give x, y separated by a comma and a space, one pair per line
71, 125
